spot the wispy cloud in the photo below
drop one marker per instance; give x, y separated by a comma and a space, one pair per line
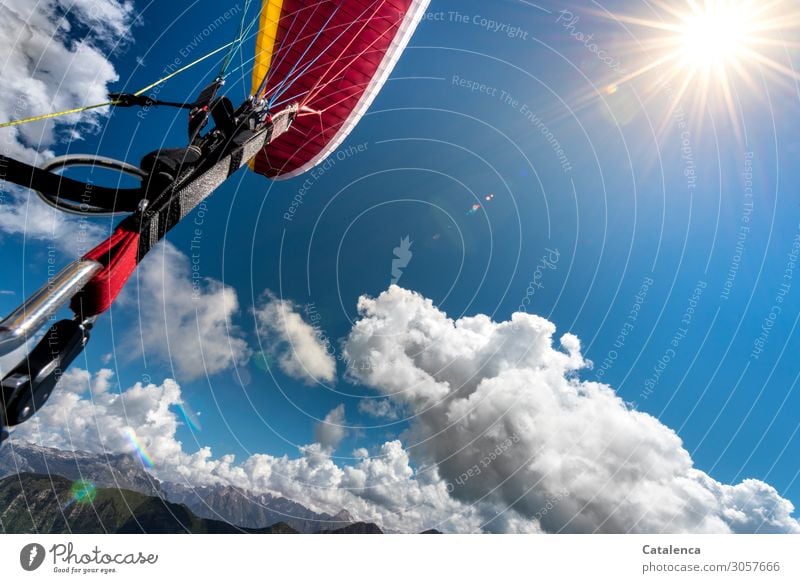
293, 342
330, 432
185, 323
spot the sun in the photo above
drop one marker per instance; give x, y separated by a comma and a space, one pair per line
715, 36
703, 52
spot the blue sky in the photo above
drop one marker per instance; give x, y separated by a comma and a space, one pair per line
626, 250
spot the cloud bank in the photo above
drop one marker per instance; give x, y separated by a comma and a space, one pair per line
500, 411
504, 437
88, 413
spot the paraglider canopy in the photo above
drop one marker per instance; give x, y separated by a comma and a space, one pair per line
331, 58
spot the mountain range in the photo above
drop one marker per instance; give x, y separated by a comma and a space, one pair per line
129, 490
35, 503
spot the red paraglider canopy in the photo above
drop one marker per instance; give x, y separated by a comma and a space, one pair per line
332, 59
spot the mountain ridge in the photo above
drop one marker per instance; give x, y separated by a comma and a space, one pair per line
33, 503
226, 503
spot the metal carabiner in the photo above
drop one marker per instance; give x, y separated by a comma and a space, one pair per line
28, 386
25, 389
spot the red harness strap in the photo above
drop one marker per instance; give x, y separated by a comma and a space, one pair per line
119, 256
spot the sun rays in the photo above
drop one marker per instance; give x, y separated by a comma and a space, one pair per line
702, 53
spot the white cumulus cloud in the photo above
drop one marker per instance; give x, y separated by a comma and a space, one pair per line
330, 432
184, 322
86, 412
379, 408
298, 347
23, 213
505, 437
53, 57
500, 411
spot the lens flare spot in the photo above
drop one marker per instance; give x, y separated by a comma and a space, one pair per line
474, 209
139, 448
263, 361
191, 418
81, 492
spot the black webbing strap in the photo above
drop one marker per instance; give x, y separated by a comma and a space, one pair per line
179, 198
55, 185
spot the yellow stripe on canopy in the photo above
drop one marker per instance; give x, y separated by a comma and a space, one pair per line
265, 41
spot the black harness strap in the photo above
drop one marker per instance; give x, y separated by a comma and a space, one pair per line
182, 195
55, 185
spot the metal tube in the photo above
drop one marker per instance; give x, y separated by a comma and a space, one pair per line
37, 310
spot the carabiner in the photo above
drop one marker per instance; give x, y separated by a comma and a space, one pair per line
28, 386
